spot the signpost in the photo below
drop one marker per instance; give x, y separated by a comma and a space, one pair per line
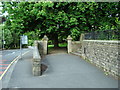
23, 40
3, 41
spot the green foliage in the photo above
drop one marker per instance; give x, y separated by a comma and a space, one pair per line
1, 27
7, 36
63, 45
50, 46
33, 35
60, 19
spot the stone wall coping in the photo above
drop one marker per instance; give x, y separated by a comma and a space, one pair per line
76, 41
106, 41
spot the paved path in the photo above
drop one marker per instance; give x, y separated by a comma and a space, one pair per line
57, 50
64, 71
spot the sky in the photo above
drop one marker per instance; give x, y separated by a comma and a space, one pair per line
0, 8
1, 12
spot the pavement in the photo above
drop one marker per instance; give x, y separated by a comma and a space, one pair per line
57, 50
64, 71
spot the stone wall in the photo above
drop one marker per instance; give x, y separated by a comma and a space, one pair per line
103, 54
76, 45
39, 52
73, 45
36, 60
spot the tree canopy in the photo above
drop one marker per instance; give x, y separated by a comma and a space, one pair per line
59, 19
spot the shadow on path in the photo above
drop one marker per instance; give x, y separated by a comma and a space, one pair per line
57, 50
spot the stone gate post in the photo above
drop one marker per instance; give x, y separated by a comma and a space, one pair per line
82, 37
45, 41
69, 47
83, 49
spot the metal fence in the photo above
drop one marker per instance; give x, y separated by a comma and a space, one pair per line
103, 35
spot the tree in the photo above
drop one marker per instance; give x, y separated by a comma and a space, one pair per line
1, 39
59, 19
5, 35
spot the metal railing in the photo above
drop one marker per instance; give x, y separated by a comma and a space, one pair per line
103, 35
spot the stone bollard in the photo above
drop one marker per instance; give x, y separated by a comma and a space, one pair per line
69, 47
45, 41
36, 60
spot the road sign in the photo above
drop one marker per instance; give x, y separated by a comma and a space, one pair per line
24, 39
4, 42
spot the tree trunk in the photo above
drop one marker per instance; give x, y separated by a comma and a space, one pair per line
56, 42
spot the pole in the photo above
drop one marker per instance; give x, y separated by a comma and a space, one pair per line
3, 39
20, 47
